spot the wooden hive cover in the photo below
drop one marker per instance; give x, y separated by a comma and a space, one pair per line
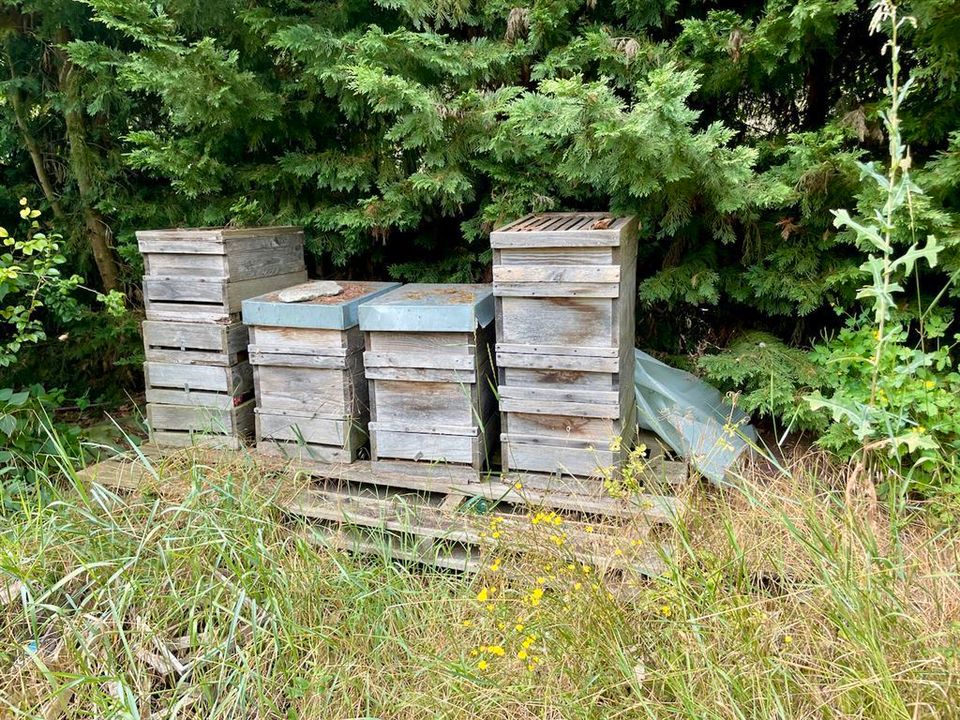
205, 241
430, 308
567, 229
334, 312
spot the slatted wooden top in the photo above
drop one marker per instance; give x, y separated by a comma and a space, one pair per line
562, 229
334, 312
429, 307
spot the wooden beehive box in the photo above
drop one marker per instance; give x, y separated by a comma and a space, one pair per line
203, 275
430, 369
307, 360
565, 286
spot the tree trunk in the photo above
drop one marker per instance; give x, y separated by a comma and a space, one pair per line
82, 166
15, 99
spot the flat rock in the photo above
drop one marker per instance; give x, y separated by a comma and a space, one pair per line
309, 291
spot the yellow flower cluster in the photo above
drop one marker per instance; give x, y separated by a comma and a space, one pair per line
546, 518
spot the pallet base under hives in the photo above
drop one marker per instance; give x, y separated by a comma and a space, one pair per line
432, 514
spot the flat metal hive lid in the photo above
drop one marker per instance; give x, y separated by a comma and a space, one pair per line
334, 312
430, 307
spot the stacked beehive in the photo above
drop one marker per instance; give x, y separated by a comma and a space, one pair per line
565, 299
429, 365
307, 359
199, 384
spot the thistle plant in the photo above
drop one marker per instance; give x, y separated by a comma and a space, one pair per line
882, 383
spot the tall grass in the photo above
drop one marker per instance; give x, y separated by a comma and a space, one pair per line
207, 603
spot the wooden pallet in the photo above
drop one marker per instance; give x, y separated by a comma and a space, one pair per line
433, 514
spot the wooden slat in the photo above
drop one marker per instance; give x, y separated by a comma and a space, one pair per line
554, 257
424, 446
277, 359
341, 432
574, 322
560, 395
555, 290
332, 392
540, 457
236, 379
217, 421
305, 341
602, 274
437, 361
458, 377
543, 407
194, 343
559, 350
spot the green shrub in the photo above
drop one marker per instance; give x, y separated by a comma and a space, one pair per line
31, 442
34, 295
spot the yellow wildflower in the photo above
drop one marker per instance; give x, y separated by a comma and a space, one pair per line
467, 623
522, 655
588, 528
787, 640
518, 627
483, 665
483, 595
496, 650
518, 486
930, 384
666, 610
495, 534
536, 596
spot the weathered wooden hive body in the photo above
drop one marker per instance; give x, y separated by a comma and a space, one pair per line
199, 383
565, 302
307, 360
429, 365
